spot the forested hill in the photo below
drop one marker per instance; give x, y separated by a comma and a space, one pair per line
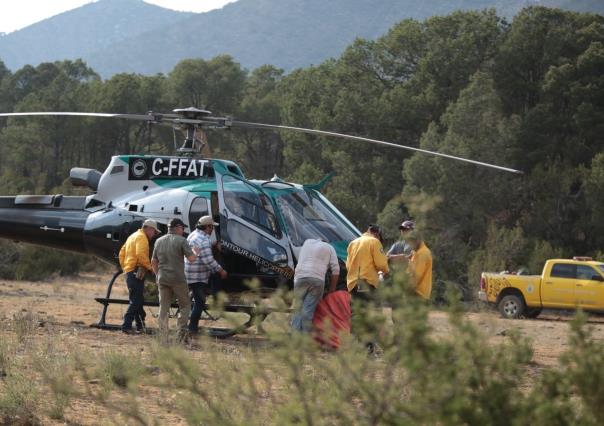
131, 36
526, 94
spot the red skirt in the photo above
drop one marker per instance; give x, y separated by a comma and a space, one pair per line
332, 318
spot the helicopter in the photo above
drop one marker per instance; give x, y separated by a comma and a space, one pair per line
263, 223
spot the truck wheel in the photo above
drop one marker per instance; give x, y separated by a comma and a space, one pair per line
532, 312
511, 306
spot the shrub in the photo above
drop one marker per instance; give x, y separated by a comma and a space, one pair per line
9, 255
121, 370
421, 376
25, 324
18, 400
57, 372
541, 252
26, 262
504, 249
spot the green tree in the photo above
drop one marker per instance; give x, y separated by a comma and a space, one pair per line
259, 152
215, 84
470, 196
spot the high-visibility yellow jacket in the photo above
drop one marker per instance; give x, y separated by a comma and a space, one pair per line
365, 258
420, 269
135, 252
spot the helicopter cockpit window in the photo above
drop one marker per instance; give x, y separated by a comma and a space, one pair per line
306, 216
249, 203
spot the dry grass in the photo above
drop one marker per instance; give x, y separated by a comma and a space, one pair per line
90, 376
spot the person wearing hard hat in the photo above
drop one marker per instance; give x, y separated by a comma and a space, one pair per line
135, 262
199, 270
401, 250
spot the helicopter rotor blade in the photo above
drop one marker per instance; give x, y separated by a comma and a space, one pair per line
151, 117
140, 117
249, 125
209, 122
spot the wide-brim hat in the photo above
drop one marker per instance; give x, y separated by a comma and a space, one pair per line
206, 220
150, 223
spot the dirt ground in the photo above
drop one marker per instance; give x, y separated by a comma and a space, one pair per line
67, 306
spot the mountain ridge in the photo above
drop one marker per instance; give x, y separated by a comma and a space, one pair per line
286, 33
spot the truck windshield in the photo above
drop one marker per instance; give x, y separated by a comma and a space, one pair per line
306, 216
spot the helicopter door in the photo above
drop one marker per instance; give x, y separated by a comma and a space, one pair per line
249, 225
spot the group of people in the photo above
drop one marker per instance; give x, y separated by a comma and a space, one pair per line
366, 266
182, 267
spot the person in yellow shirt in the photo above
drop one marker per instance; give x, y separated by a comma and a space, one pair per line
420, 265
365, 259
135, 262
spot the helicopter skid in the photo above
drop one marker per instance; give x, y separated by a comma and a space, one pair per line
255, 317
255, 314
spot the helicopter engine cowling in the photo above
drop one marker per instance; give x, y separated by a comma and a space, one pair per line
85, 177
53, 221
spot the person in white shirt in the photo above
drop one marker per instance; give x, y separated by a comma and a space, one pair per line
315, 258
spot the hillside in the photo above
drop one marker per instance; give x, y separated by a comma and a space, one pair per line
80, 32
132, 36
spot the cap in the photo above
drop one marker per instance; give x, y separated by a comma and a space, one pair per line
176, 222
206, 220
150, 223
407, 224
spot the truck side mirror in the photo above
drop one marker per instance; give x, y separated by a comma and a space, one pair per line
597, 278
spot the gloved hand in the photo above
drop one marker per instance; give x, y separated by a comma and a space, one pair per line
140, 273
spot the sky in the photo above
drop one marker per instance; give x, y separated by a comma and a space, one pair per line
17, 14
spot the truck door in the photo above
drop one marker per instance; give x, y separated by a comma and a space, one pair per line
558, 288
589, 288
249, 226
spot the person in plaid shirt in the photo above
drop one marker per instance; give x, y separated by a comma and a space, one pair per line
198, 272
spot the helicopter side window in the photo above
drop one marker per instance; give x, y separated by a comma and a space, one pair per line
249, 203
199, 208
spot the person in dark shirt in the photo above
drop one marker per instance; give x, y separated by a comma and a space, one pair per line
401, 250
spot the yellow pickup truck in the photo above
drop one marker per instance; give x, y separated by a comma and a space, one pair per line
564, 284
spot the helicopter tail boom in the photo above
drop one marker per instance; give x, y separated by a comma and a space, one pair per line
47, 220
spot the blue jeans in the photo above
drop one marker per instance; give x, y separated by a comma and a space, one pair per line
307, 295
198, 292
135, 311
